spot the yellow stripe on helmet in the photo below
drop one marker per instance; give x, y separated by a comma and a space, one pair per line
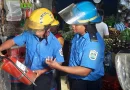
88, 20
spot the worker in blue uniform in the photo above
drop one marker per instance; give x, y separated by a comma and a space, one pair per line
40, 43
85, 68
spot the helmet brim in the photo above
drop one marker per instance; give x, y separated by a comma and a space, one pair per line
35, 26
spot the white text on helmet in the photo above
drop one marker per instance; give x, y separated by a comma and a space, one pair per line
42, 15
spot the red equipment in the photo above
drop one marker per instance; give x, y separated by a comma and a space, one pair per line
19, 53
18, 70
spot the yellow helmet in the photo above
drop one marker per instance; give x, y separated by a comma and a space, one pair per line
40, 18
55, 23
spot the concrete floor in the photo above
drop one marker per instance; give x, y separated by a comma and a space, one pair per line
63, 83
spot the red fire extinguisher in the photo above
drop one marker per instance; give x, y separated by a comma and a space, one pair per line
18, 70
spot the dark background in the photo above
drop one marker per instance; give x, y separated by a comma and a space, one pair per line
109, 6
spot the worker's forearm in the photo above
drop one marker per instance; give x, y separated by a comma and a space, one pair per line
7, 44
81, 71
46, 69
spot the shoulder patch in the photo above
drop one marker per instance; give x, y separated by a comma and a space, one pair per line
93, 54
61, 52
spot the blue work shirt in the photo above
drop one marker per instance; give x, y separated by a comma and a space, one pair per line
120, 26
88, 54
37, 51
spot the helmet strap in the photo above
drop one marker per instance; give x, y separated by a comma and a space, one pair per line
46, 34
91, 29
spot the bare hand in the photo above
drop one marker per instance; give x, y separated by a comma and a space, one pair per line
38, 72
52, 63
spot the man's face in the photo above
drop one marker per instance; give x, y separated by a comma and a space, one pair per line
78, 28
38, 33
53, 29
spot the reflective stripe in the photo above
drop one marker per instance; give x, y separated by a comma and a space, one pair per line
88, 20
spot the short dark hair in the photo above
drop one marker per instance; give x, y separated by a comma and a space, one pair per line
101, 12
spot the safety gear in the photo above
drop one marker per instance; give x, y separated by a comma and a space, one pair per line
55, 23
40, 18
81, 13
18, 70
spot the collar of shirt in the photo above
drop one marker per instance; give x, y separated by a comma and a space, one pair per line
49, 38
85, 36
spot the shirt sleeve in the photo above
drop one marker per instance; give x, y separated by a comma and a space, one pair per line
58, 54
20, 39
106, 31
116, 26
91, 57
